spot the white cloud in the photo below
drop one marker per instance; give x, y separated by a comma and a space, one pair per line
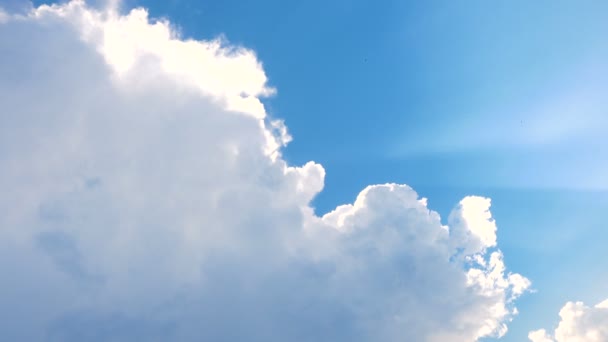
579, 323
145, 198
472, 221
539, 336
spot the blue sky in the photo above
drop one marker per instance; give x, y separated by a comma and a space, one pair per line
506, 95
504, 100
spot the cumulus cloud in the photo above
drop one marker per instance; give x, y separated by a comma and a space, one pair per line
145, 198
579, 323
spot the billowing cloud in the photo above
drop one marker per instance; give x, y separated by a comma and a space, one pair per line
144, 197
579, 323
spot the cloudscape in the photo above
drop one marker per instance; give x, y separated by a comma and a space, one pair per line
146, 196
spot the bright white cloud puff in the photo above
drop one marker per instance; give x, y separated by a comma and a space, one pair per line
579, 323
144, 197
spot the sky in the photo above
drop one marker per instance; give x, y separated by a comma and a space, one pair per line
275, 171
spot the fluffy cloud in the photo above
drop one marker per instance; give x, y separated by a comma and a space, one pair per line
144, 197
579, 323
